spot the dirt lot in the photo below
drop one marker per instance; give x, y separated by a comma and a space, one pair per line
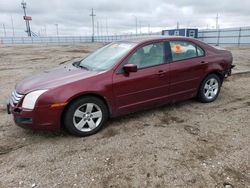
188, 144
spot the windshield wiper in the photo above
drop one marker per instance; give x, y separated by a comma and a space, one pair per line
83, 67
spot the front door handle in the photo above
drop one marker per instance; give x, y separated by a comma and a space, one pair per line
161, 73
203, 62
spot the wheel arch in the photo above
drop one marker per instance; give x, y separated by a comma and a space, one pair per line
71, 100
218, 73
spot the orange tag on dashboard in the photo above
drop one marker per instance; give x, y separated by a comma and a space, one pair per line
177, 48
114, 45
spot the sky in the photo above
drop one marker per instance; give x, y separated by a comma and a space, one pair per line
119, 17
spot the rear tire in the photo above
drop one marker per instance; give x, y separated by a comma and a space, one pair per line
85, 116
209, 89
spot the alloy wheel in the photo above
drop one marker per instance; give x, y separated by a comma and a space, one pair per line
87, 117
211, 88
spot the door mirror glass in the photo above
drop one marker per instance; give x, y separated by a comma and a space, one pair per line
130, 68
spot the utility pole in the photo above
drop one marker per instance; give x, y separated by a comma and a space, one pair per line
136, 24
217, 21
148, 28
93, 24
4, 30
140, 26
24, 5
100, 27
45, 31
57, 32
107, 26
13, 30
97, 28
177, 25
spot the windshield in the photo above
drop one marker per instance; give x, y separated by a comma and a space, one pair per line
106, 57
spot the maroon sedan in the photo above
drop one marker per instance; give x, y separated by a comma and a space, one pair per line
120, 78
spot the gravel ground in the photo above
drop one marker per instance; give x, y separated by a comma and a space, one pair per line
187, 144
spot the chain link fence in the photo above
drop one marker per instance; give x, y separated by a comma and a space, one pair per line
226, 37
222, 37
71, 39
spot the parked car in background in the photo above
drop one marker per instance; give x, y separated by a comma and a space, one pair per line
120, 78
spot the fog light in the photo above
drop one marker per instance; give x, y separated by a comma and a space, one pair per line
24, 120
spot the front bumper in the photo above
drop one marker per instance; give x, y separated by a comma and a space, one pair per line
229, 72
41, 118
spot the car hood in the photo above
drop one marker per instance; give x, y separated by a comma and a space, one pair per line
56, 77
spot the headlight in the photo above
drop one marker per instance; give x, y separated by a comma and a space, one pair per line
30, 99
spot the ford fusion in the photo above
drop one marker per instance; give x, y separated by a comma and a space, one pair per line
117, 79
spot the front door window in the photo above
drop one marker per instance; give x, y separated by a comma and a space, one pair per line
148, 56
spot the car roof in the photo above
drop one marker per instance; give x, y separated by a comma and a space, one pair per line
155, 38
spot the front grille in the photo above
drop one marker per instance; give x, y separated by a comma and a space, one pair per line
15, 98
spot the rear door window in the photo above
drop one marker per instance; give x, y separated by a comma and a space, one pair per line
185, 50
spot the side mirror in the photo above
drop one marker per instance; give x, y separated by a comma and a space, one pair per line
130, 68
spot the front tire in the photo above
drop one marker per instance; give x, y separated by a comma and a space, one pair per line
209, 88
85, 116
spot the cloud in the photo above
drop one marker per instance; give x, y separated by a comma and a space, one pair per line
73, 18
